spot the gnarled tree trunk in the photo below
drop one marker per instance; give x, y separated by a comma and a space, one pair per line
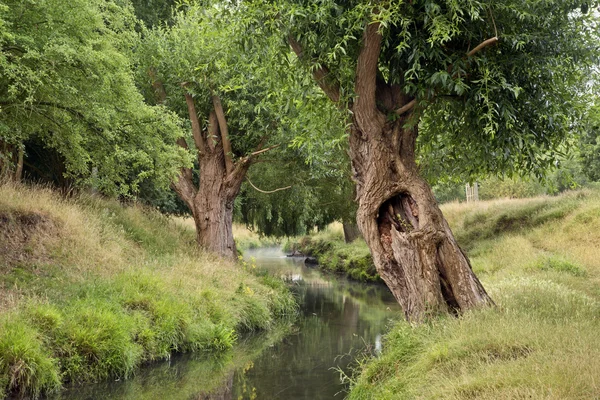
412, 245
212, 204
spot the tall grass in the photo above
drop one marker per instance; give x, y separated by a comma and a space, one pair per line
90, 290
540, 260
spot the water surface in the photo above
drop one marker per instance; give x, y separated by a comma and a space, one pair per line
339, 320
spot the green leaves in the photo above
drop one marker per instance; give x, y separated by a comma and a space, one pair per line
67, 83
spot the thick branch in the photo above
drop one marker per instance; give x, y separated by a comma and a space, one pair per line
267, 191
196, 129
407, 107
321, 74
224, 132
365, 106
184, 185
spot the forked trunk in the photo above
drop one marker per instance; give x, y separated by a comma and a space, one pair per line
212, 203
412, 245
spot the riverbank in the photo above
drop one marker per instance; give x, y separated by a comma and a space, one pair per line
91, 290
331, 254
540, 261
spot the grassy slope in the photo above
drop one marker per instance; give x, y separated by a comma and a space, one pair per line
89, 290
540, 260
352, 260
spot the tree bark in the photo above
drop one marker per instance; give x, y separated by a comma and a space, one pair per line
351, 231
412, 245
211, 203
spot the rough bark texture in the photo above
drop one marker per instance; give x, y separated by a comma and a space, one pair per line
412, 245
219, 182
211, 203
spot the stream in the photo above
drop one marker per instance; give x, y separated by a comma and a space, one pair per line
339, 321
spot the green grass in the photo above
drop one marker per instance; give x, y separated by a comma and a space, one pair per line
540, 261
90, 290
352, 260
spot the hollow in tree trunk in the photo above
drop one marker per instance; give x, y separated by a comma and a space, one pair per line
412, 245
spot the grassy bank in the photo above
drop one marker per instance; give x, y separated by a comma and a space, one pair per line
245, 239
352, 260
540, 260
90, 290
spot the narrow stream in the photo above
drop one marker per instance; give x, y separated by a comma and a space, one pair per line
339, 321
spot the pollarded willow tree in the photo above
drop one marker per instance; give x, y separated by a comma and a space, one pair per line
496, 83
240, 95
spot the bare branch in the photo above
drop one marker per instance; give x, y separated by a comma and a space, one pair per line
224, 132
407, 107
482, 45
264, 150
320, 74
196, 129
267, 191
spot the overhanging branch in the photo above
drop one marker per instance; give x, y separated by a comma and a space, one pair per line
267, 191
482, 45
321, 74
410, 105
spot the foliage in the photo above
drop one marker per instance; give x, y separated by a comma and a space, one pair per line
506, 109
67, 83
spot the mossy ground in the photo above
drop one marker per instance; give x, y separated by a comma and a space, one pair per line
540, 260
90, 290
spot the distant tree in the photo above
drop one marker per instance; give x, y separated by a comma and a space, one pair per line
154, 12
590, 145
495, 85
240, 95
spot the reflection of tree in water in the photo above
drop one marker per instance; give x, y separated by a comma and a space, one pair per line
337, 322
224, 392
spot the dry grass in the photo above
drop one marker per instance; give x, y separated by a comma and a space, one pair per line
97, 288
541, 342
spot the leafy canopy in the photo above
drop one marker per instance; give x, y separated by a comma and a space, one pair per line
66, 80
506, 108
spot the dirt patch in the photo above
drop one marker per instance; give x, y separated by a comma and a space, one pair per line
24, 237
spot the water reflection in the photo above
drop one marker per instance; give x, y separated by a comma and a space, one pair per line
338, 320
